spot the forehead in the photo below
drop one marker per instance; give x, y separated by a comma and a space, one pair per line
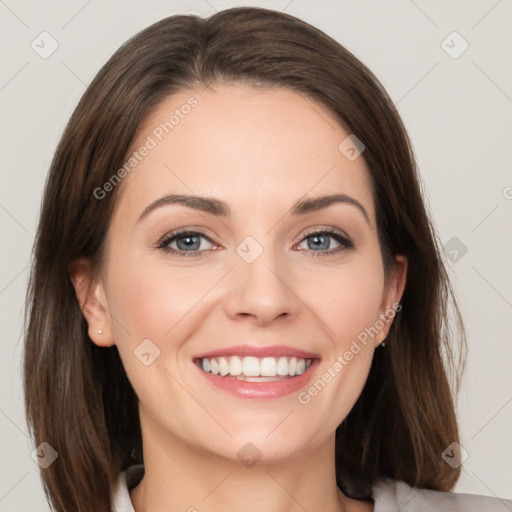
247, 146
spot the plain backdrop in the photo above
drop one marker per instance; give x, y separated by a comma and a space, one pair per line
456, 106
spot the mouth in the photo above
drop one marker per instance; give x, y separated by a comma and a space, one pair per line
258, 372
254, 369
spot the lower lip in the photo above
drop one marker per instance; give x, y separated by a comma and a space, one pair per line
262, 390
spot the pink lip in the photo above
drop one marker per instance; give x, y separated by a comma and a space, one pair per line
249, 350
261, 390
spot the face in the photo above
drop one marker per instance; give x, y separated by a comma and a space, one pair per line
267, 279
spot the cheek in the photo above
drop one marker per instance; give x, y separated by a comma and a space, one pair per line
348, 310
150, 299
346, 299
139, 297
160, 304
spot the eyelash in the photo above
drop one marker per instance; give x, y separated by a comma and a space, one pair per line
344, 240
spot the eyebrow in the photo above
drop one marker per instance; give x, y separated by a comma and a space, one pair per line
220, 208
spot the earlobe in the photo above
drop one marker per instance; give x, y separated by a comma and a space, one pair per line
91, 298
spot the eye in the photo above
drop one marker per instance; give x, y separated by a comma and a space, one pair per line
190, 243
186, 243
319, 242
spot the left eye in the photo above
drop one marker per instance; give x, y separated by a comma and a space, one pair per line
321, 242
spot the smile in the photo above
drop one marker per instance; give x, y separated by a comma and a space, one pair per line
255, 369
256, 372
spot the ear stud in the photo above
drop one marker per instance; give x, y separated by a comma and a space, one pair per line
99, 331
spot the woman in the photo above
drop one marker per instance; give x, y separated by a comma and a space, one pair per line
232, 226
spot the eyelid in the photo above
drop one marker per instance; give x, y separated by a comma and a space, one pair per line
184, 231
341, 237
346, 241
162, 244
323, 229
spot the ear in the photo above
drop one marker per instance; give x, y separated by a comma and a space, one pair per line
392, 295
91, 297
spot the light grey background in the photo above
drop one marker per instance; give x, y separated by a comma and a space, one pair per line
457, 112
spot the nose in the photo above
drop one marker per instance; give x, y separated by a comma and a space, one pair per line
262, 290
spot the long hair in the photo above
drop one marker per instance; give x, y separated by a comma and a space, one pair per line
77, 395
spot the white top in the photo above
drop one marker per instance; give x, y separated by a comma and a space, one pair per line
389, 496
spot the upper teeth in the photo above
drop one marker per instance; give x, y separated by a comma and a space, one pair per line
255, 367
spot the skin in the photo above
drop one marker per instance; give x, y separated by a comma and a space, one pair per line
259, 151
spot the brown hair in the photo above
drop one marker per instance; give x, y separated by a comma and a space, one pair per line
78, 397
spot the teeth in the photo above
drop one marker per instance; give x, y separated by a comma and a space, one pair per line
235, 366
223, 366
282, 366
255, 367
292, 366
268, 367
250, 367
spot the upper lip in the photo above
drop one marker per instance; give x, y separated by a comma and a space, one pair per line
258, 351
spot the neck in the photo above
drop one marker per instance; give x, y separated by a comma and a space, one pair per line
179, 476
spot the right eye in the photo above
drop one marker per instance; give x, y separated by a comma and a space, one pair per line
187, 243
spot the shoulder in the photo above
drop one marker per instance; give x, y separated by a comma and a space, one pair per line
389, 496
126, 481
394, 495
